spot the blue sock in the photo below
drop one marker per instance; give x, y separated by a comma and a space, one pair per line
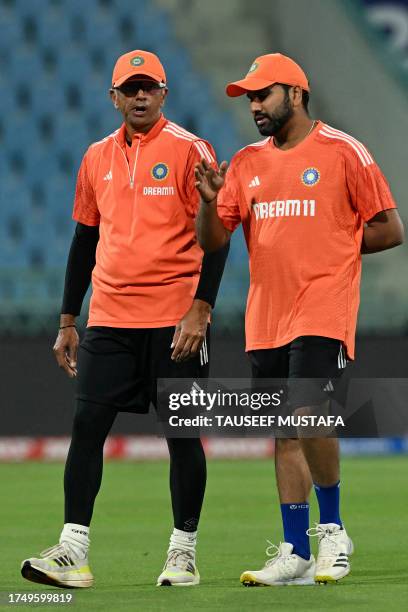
329, 503
295, 519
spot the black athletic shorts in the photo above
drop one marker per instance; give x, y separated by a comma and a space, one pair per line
310, 365
119, 367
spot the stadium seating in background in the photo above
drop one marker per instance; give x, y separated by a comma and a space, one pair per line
56, 59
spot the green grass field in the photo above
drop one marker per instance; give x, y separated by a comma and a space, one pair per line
132, 524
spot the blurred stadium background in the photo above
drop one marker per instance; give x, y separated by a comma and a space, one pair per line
56, 58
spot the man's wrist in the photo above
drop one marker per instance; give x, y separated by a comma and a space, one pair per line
202, 304
212, 202
67, 320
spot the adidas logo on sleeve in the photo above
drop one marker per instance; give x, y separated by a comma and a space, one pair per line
255, 182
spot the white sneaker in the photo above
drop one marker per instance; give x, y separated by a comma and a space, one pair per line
179, 569
283, 568
334, 549
58, 566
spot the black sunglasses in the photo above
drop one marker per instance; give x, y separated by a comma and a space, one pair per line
131, 88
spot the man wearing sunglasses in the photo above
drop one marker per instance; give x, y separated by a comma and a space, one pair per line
311, 200
153, 292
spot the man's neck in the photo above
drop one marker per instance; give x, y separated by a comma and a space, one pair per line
296, 130
131, 131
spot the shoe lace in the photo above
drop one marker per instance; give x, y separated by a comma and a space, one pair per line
275, 554
61, 550
182, 559
327, 540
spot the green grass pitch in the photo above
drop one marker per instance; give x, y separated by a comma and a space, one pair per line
132, 524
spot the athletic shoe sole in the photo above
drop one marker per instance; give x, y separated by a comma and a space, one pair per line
168, 583
326, 579
248, 580
36, 575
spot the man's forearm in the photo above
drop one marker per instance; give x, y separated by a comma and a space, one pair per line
211, 233
382, 232
211, 273
375, 243
81, 261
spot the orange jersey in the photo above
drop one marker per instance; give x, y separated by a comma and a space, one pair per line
144, 200
303, 212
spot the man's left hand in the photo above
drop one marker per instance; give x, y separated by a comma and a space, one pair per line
190, 331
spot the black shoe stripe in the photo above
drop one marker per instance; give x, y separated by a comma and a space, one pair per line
58, 562
34, 575
340, 565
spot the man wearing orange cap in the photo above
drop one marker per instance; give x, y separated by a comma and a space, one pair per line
153, 291
311, 200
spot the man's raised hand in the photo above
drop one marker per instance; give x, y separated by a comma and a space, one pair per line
209, 180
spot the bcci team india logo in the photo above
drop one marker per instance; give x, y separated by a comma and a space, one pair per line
137, 60
310, 177
160, 171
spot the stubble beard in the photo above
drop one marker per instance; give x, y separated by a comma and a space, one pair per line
278, 119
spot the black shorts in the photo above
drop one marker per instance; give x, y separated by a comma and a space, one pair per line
120, 367
316, 360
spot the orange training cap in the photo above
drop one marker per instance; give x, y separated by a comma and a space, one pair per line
137, 63
267, 70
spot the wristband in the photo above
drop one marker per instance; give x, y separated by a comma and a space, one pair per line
65, 326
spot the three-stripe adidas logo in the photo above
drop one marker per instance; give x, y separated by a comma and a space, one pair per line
108, 177
363, 154
341, 561
64, 561
204, 353
341, 358
255, 182
195, 387
329, 387
190, 567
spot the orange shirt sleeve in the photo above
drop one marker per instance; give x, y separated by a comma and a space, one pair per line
200, 149
368, 187
228, 201
85, 206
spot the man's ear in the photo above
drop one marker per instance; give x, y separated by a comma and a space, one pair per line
297, 95
114, 97
165, 91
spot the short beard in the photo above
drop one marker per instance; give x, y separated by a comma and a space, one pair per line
278, 119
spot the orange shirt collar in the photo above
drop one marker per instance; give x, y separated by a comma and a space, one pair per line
156, 129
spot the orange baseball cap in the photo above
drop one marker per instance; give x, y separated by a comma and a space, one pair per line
138, 62
267, 70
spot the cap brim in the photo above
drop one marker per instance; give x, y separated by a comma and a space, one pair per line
238, 88
134, 73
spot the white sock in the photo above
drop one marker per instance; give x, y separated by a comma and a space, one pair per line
77, 536
183, 540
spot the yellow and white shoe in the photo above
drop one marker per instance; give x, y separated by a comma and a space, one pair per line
58, 566
179, 570
335, 546
283, 568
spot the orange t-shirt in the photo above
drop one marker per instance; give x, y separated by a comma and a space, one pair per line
303, 212
144, 200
